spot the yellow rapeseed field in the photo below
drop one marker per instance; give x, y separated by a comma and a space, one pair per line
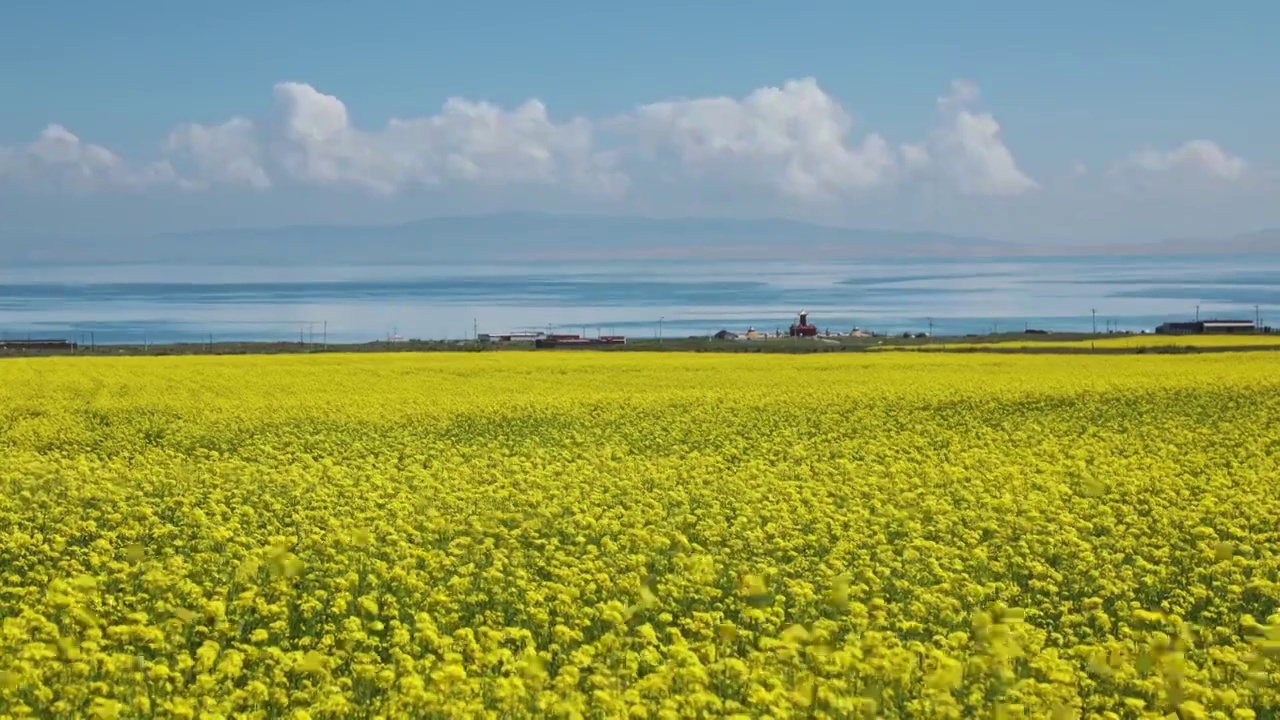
1115, 342
630, 535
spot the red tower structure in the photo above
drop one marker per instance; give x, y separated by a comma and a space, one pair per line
803, 328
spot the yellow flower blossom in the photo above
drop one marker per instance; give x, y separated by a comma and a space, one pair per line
640, 535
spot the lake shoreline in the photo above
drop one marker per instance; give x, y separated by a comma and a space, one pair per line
1006, 343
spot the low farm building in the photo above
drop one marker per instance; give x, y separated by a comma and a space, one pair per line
37, 345
1207, 327
572, 341
523, 336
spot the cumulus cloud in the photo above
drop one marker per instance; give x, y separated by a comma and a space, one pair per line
228, 153
60, 160
467, 141
799, 140
795, 138
1195, 158
310, 139
966, 152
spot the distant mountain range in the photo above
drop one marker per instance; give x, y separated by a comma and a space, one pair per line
534, 236
1263, 242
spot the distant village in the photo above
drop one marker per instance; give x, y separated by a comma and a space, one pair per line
802, 327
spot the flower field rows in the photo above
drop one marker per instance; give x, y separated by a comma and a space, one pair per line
1116, 342
632, 535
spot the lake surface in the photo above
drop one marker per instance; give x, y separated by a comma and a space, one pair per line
137, 303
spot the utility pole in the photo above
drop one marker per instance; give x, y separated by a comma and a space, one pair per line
475, 330
930, 328
1257, 317
1197, 313
660, 319
325, 334
1095, 320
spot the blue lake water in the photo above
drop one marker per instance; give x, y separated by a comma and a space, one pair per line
137, 303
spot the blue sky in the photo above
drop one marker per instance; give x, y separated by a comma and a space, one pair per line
1095, 103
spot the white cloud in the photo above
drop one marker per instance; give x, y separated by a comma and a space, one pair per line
798, 140
228, 153
59, 160
795, 138
467, 141
915, 157
1194, 159
792, 143
965, 152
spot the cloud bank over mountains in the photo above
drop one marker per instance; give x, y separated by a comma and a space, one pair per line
794, 141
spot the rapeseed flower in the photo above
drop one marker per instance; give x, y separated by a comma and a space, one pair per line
629, 535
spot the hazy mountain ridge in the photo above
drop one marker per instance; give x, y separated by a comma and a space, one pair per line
535, 236
1261, 242
513, 237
